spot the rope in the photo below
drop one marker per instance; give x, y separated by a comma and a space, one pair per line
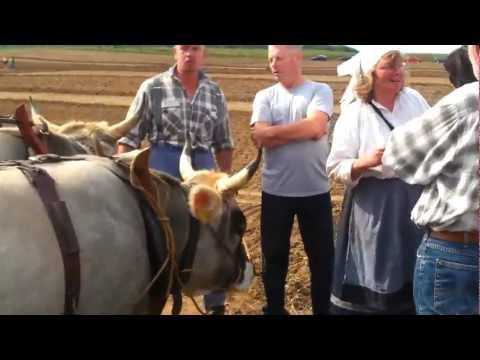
159, 210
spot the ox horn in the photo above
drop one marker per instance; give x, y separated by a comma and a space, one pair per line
122, 128
235, 182
38, 119
185, 167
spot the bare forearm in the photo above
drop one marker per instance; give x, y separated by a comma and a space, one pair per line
365, 163
312, 128
359, 168
306, 129
224, 160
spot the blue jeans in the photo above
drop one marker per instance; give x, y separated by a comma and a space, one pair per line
166, 158
446, 278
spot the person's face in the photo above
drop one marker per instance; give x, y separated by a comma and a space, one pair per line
284, 63
389, 75
474, 55
189, 58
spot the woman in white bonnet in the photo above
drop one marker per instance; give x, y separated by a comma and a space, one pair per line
376, 241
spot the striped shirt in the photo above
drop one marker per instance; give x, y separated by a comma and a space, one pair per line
169, 115
440, 151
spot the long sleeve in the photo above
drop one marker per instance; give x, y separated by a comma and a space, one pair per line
345, 148
419, 151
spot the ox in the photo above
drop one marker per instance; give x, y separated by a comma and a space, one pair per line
459, 67
107, 218
72, 138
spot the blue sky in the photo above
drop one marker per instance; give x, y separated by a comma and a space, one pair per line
431, 49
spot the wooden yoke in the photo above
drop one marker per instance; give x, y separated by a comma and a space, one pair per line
26, 127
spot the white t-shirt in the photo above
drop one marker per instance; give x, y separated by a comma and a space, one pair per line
296, 169
360, 131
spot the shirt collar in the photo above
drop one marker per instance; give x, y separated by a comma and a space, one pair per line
202, 76
397, 99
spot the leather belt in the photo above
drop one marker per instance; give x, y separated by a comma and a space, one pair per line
458, 237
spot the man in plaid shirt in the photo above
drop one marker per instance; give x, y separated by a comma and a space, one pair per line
178, 103
440, 151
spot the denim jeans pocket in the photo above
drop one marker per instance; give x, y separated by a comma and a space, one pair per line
455, 288
423, 284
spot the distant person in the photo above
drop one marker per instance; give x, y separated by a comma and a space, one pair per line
11, 65
376, 241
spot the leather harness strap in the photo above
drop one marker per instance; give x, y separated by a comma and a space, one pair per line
62, 224
185, 264
188, 256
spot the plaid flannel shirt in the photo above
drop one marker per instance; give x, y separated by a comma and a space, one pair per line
169, 115
440, 151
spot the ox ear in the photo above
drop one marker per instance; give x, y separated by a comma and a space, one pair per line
155, 190
140, 176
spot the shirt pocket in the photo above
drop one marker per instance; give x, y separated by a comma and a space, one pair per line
169, 119
206, 118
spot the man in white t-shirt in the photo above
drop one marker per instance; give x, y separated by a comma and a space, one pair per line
290, 120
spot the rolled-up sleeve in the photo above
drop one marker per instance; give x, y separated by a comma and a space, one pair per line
222, 137
345, 148
418, 151
135, 136
322, 100
261, 110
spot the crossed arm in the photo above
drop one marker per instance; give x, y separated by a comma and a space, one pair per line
312, 128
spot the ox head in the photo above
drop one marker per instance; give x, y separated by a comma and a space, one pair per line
221, 258
211, 201
208, 189
97, 138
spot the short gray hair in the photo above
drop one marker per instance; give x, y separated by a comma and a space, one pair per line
203, 46
291, 47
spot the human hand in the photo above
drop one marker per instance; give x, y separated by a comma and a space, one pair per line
374, 159
261, 134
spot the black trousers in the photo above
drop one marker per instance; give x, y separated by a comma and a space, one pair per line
314, 216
